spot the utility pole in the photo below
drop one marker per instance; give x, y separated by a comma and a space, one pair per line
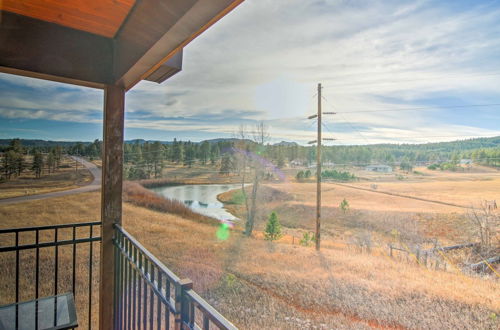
318, 175
318, 168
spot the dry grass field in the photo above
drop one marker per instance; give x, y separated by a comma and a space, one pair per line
258, 284
62, 179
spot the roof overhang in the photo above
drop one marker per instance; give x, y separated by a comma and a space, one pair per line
147, 45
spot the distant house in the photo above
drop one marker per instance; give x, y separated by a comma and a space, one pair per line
328, 164
379, 168
296, 162
465, 161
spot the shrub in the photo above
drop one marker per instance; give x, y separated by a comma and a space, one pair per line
300, 176
307, 174
273, 228
344, 205
238, 197
338, 175
307, 239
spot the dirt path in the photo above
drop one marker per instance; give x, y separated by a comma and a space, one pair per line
94, 185
400, 195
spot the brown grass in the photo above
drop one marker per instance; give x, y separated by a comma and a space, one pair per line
62, 179
136, 194
275, 286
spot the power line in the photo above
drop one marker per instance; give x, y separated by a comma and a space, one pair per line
352, 126
370, 83
426, 108
421, 137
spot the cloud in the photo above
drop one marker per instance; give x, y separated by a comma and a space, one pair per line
264, 60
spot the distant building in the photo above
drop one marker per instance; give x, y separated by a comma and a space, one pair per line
296, 162
379, 168
465, 161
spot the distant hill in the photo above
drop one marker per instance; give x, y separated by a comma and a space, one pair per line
42, 143
458, 145
286, 144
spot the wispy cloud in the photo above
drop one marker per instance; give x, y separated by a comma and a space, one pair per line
263, 61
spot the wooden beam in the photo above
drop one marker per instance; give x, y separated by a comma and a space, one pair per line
111, 198
156, 30
45, 50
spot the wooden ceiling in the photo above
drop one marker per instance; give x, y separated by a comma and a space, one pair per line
97, 43
101, 17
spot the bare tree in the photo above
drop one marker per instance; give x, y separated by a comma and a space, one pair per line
486, 221
260, 137
242, 156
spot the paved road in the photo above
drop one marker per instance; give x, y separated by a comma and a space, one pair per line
94, 185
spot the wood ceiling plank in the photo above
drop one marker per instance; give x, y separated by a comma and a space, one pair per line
102, 17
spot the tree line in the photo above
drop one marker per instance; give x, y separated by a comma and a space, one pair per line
16, 159
145, 159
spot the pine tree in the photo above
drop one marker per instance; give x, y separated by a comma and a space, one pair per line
273, 228
226, 164
37, 164
344, 205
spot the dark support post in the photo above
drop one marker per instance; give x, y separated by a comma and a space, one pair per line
111, 198
181, 302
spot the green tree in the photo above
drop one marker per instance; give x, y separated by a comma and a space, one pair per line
189, 153
273, 228
204, 152
214, 153
37, 165
9, 163
226, 164
177, 151
51, 162
156, 151
344, 205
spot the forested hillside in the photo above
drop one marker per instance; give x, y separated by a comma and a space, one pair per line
145, 159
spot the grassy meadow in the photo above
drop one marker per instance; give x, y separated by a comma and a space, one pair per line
63, 178
351, 284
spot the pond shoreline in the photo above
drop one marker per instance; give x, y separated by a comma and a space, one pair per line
200, 198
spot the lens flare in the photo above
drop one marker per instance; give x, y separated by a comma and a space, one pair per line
223, 231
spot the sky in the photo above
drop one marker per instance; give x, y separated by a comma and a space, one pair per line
394, 71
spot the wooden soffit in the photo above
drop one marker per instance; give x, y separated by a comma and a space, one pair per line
101, 17
101, 42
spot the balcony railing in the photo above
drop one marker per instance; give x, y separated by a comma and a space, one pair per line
45, 261
149, 295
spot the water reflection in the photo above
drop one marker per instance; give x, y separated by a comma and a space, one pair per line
200, 198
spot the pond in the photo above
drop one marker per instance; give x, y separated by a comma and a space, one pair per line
201, 198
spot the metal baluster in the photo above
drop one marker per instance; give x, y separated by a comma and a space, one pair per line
145, 315
151, 295
122, 282
139, 298
90, 279
158, 307
191, 314
37, 266
134, 258
129, 284
167, 295
17, 278
56, 268
74, 261
206, 322
125, 283
117, 280
37, 263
